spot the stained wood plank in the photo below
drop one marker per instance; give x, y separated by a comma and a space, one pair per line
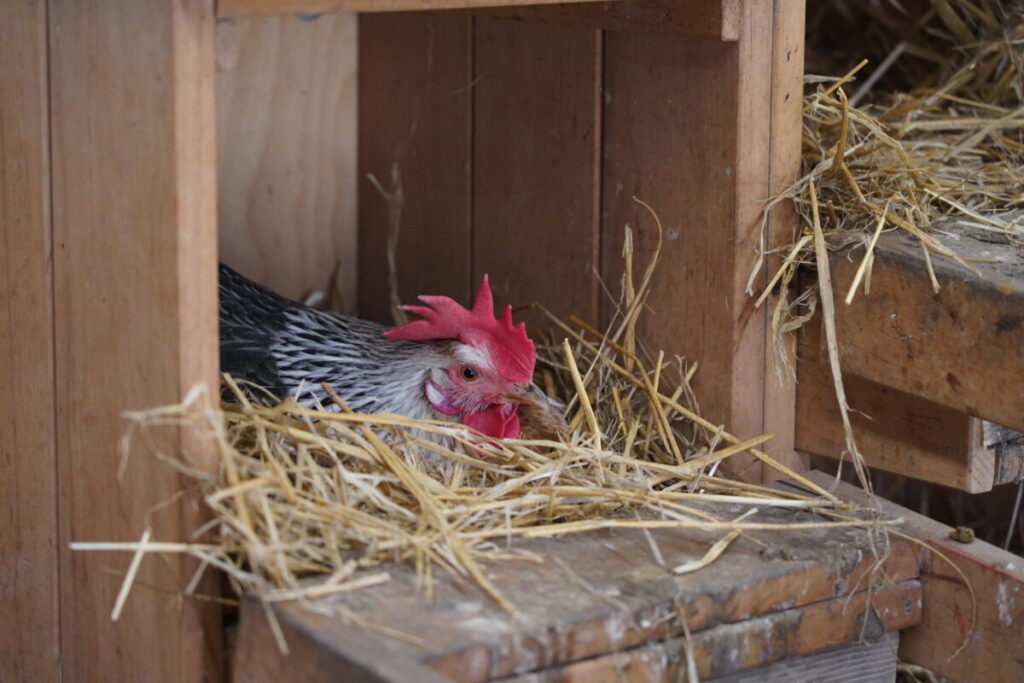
695, 19
415, 106
993, 648
134, 225
606, 592
687, 129
536, 164
29, 581
859, 662
237, 8
896, 431
286, 148
962, 347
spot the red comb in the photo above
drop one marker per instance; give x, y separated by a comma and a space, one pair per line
442, 318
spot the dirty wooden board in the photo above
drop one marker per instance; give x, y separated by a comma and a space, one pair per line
993, 652
135, 311
602, 592
895, 431
286, 152
235, 8
536, 165
28, 476
962, 347
415, 108
693, 19
687, 129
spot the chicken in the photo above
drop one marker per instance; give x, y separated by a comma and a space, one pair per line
450, 364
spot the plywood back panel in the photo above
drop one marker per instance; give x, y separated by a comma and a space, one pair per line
286, 151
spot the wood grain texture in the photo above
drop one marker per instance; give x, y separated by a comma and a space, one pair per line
238, 8
859, 662
962, 347
415, 111
29, 580
607, 592
993, 650
687, 128
783, 223
536, 166
134, 225
286, 148
693, 19
896, 431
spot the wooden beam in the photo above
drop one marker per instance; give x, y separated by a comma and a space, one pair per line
415, 127
286, 152
693, 19
239, 8
895, 431
134, 233
29, 581
992, 650
962, 347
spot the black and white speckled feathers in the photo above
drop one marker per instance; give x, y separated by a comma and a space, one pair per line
290, 349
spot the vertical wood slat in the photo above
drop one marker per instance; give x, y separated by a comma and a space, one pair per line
536, 165
680, 136
415, 109
29, 580
286, 139
134, 225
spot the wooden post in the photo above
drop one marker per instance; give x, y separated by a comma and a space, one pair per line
135, 322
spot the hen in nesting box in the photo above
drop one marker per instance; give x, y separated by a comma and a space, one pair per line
452, 364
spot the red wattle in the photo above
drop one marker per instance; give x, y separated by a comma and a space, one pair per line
494, 422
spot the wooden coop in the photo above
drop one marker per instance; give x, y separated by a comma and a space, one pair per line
294, 139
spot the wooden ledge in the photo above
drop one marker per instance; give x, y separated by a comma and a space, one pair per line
598, 595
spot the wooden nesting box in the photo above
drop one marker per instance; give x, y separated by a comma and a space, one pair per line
513, 139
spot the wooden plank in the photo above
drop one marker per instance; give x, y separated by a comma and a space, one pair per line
687, 128
239, 8
286, 152
134, 226
733, 648
962, 347
895, 431
694, 19
783, 223
415, 108
859, 662
536, 165
608, 592
29, 581
992, 652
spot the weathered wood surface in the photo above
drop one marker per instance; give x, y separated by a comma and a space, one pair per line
286, 152
599, 593
895, 431
237, 8
859, 662
962, 347
135, 311
993, 649
695, 19
415, 118
29, 615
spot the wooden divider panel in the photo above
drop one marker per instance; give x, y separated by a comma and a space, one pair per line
29, 587
134, 225
415, 108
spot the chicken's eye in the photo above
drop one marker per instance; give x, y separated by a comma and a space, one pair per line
468, 374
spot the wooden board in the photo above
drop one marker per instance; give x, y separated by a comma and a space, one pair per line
962, 347
687, 128
693, 19
286, 152
599, 593
415, 111
896, 431
134, 235
238, 8
993, 650
536, 166
29, 581
859, 662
